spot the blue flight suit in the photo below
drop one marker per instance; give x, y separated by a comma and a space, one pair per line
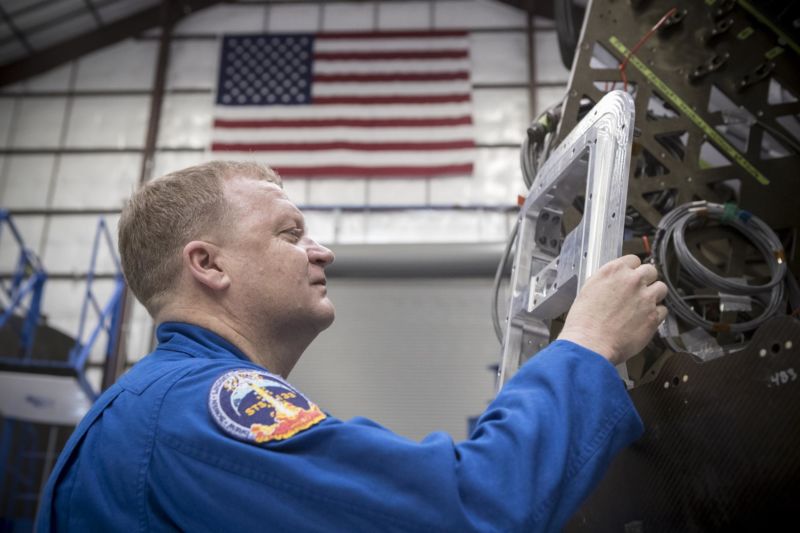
154, 452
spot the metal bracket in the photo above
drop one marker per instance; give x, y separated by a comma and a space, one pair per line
592, 164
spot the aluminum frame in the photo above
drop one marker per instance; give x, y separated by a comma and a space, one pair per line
550, 267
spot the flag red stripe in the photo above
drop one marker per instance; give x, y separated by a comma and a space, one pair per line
341, 145
328, 152
384, 56
378, 100
391, 34
376, 172
344, 122
416, 76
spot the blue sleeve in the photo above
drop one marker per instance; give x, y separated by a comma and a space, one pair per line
536, 453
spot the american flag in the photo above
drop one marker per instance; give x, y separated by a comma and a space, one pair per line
366, 105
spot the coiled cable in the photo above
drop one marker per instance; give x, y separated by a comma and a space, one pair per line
673, 228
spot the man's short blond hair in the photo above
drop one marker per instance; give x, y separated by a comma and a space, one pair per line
165, 214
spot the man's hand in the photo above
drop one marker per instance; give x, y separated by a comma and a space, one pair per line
617, 311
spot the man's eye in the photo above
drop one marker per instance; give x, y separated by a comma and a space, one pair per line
295, 234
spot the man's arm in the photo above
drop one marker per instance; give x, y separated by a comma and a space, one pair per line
536, 453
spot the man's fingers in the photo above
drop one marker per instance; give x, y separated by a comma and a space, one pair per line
662, 313
648, 273
630, 260
659, 289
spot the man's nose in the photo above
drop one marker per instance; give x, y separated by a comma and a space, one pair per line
320, 255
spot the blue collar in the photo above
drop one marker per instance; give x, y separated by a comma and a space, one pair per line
182, 341
195, 341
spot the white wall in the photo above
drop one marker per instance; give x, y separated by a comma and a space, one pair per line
410, 354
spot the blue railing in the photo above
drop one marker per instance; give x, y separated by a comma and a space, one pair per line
107, 317
24, 290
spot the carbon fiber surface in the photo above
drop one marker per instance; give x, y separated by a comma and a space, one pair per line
721, 449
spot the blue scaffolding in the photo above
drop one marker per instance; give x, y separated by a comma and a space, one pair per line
23, 291
44, 390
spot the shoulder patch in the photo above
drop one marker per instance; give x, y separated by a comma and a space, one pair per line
258, 406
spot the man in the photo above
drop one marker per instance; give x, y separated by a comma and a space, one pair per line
206, 434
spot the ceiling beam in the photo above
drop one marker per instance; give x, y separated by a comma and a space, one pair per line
60, 53
114, 32
94, 12
14, 30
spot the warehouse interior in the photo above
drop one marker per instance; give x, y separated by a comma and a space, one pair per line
98, 97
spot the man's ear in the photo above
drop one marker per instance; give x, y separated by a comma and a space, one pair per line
202, 260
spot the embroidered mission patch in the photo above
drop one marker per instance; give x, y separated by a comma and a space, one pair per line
258, 406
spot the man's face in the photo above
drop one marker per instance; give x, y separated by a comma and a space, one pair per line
276, 269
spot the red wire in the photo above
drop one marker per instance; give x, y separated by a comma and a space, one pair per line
641, 42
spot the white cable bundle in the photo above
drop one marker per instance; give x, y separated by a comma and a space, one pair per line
672, 228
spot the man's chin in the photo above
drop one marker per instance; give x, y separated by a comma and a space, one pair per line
326, 315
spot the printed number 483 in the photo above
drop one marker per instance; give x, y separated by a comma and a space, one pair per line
782, 377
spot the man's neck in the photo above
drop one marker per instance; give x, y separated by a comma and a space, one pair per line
273, 351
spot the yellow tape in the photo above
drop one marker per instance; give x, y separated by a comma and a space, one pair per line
712, 134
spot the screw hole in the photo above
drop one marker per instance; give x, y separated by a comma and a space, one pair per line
776, 347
